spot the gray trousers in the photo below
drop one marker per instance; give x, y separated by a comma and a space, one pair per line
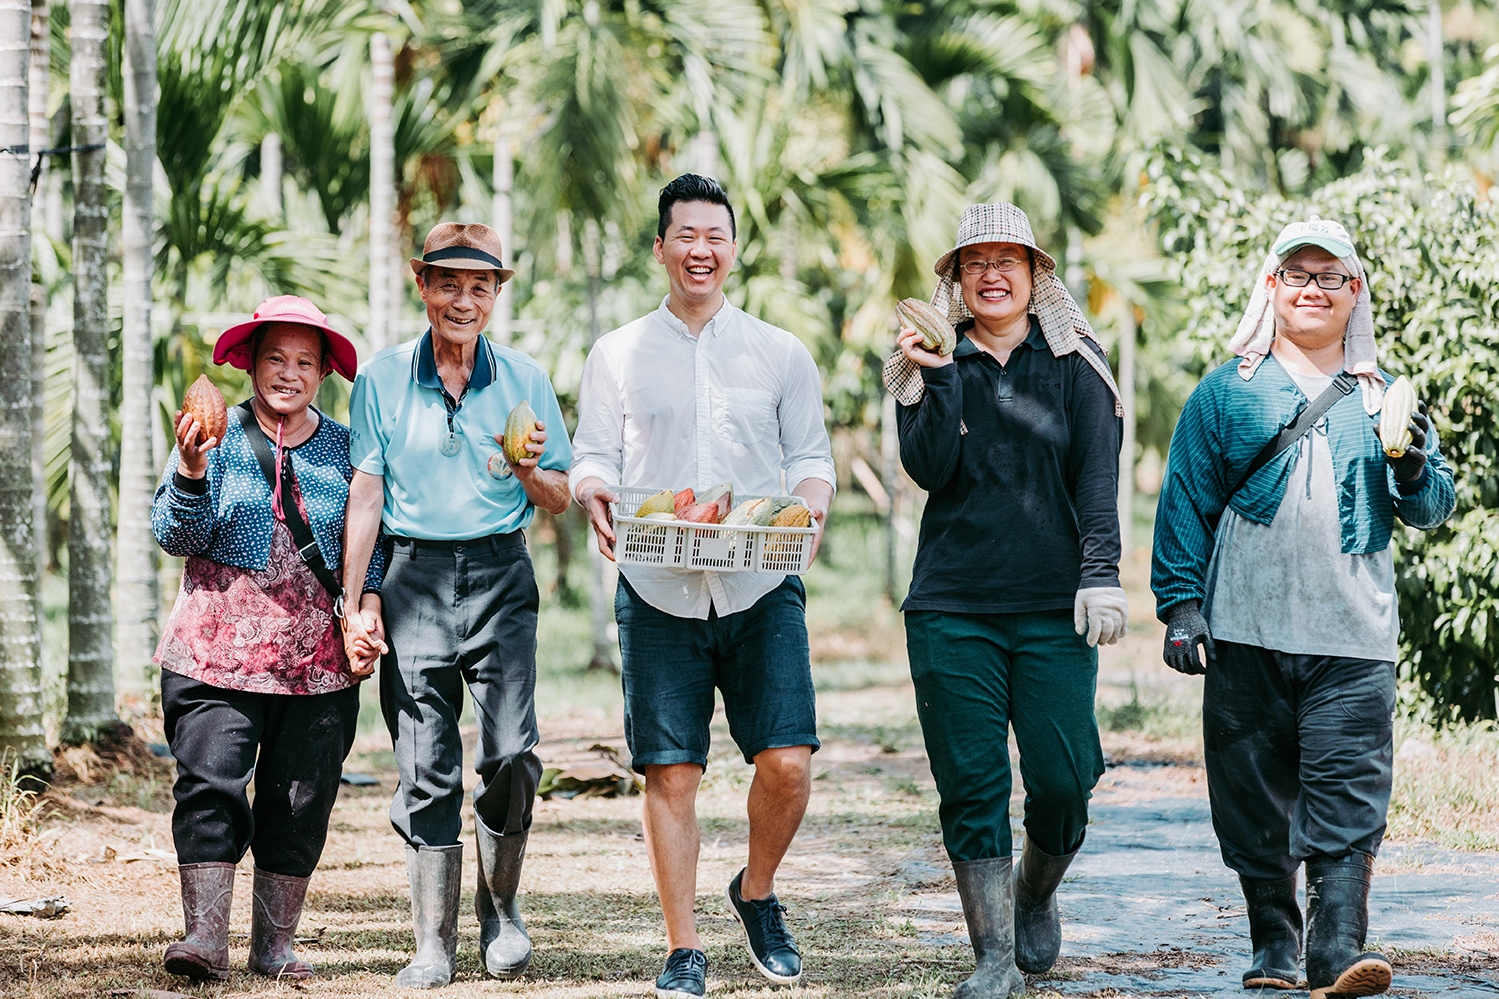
460, 612
1299, 752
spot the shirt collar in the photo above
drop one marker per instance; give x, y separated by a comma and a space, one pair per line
1036, 339
424, 364
714, 325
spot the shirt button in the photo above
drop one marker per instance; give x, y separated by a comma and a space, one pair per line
458, 549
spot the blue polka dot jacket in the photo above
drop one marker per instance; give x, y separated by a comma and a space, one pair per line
231, 522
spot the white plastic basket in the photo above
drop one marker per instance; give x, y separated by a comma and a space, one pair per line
675, 544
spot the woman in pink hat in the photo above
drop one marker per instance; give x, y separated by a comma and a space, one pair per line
256, 676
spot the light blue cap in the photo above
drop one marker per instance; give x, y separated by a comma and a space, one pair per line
1329, 235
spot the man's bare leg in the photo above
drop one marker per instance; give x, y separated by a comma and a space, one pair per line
777, 802
672, 840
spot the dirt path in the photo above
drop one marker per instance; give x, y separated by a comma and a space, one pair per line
1150, 911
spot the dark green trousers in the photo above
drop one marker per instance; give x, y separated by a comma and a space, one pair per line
978, 674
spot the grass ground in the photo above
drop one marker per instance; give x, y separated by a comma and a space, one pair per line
871, 832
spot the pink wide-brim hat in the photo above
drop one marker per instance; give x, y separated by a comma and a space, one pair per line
234, 344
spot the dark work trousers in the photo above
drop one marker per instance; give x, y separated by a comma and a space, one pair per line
460, 612
976, 675
293, 744
1298, 752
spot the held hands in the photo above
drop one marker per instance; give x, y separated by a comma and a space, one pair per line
1409, 466
909, 343
192, 457
1102, 613
1185, 630
364, 636
595, 498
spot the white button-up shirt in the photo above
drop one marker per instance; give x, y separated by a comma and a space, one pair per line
741, 402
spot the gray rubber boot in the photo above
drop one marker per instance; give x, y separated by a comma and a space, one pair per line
207, 893
436, 874
277, 907
1038, 928
503, 942
988, 895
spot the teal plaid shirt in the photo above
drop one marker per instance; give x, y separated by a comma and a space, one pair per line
1225, 423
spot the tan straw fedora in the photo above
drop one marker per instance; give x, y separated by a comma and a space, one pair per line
462, 246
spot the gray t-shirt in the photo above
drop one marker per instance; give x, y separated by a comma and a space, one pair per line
1288, 586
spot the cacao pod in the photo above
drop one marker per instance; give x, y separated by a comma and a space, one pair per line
795, 515
936, 332
723, 489
656, 503
682, 500
1395, 417
205, 403
518, 427
754, 513
712, 512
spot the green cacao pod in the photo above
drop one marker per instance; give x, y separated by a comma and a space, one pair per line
656, 503
936, 332
518, 427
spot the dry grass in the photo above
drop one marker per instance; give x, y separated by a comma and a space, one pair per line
24, 855
1447, 787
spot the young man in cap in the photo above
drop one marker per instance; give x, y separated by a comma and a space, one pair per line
1272, 553
460, 598
694, 394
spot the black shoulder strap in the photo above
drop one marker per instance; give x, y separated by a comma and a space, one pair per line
301, 534
1297, 428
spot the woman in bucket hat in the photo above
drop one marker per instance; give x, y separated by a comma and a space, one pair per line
1015, 436
256, 677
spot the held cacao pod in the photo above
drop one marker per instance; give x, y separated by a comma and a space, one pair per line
1395, 417
205, 403
656, 503
936, 332
518, 427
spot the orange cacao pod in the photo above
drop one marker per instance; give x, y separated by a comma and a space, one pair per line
205, 403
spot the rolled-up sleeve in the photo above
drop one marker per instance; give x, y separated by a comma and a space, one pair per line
183, 521
598, 447
806, 452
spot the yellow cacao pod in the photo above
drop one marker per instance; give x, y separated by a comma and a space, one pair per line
936, 332
205, 403
795, 515
518, 427
656, 503
1395, 417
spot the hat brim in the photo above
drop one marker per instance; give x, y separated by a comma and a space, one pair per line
233, 346
1332, 245
944, 268
461, 264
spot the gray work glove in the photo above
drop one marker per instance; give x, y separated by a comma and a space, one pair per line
1186, 629
1409, 466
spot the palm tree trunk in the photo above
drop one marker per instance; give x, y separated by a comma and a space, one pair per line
91, 700
382, 185
40, 131
20, 640
504, 182
137, 590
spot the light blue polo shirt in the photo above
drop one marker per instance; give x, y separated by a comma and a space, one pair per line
399, 414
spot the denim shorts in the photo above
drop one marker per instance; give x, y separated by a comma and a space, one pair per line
758, 658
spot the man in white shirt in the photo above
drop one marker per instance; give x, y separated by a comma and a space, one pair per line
694, 394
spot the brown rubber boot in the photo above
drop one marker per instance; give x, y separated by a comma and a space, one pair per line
273, 924
207, 893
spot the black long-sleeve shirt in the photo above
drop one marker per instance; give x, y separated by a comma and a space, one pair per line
1021, 464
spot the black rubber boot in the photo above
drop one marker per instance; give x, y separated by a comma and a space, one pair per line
503, 943
207, 893
1274, 932
436, 874
277, 908
1038, 928
988, 893
1337, 921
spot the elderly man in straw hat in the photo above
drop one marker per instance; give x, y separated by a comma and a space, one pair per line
1015, 436
1272, 553
460, 596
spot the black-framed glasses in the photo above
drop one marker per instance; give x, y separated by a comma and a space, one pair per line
1326, 280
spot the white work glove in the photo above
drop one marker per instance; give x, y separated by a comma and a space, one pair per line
1102, 612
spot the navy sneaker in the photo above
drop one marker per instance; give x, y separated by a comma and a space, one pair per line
765, 935
685, 975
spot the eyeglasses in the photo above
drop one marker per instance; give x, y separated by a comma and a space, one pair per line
1009, 265
1326, 280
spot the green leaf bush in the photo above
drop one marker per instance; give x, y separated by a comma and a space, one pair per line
1431, 249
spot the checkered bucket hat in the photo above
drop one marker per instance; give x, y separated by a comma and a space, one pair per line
1061, 320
